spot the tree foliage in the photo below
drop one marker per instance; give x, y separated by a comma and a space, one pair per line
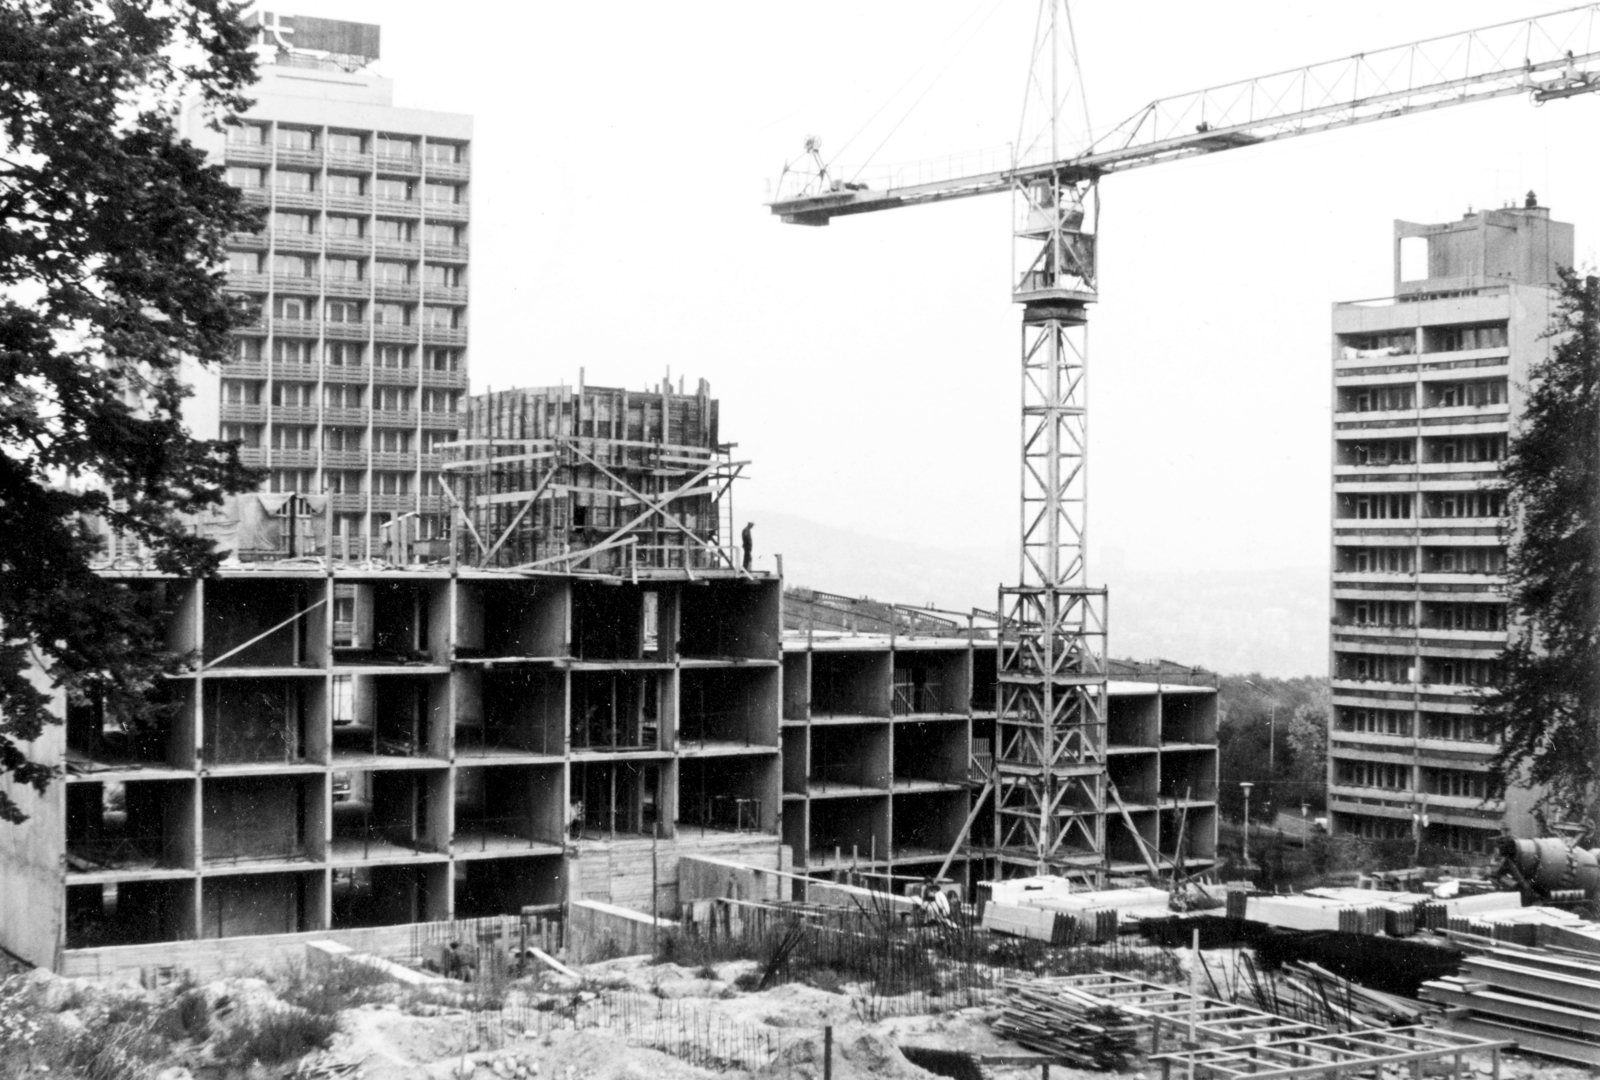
1255, 711
111, 241
1546, 710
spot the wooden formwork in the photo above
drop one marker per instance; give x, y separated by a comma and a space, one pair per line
594, 478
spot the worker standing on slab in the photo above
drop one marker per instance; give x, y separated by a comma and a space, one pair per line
935, 907
749, 542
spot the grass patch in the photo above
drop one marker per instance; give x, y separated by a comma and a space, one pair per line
272, 1038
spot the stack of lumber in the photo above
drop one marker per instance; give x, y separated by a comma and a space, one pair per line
1069, 1025
1054, 927
1547, 1000
1374, 911
1519, 926
1051, 909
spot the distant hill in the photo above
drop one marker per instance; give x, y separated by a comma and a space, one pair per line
1271, 621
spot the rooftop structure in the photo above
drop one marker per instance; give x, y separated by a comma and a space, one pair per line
1427, 385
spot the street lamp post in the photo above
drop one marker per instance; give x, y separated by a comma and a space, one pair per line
1246, 785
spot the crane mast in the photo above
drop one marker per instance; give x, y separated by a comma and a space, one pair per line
1049, 775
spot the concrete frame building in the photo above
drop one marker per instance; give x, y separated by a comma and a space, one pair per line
357, 370
1427, 386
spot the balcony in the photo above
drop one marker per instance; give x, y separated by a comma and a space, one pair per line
304, 284
302, 328
396, 333
443, 211
345, 417
444, 335
398, 208
432, 504
395, 418
346, 331
343, 459
347, 288
447, 294
348, 245
396, 290
247, 154
289, 369
448, 170
393, 504
296, 200
294, 459
348, 502
395, 165
296, 241
349, 374
455, 380
299, 159
254, 457
444, 421
394, 459
396, 249
254, 196
246, 241
248, 282
342, 162
360, 205
387, 376
244, 369
295, 414
246, 414
436, 252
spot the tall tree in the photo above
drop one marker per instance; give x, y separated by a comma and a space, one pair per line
111, 242
1546, 709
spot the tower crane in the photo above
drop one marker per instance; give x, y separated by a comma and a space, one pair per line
1049, 776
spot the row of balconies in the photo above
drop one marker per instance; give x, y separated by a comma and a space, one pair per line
359, 374
420, 209
347, 288
237, 412
318, 243
1487, 470
380, 164
257, 456
360, 330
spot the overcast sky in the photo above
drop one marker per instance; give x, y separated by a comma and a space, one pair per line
870, 369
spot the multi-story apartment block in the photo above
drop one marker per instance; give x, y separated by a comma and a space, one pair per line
1427, 385
356, 371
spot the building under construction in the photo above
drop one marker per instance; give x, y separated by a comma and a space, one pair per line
581, 688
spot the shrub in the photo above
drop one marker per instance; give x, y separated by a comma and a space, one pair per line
271, 1038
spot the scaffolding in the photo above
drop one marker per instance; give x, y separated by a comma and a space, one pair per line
593, 479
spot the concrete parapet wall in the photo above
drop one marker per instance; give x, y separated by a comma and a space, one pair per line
829, 894
591, 925
701, 877
215, 957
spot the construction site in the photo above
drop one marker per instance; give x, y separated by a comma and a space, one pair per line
573, 786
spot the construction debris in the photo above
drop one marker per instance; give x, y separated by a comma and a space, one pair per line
1071, 1026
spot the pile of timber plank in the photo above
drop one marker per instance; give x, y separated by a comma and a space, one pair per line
1069, 1025
1547, 1000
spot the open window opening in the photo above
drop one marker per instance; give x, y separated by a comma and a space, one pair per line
388, 813
612, 799
510, 712
248, 819
930, 683
508, 808
129, 913
728, 794
617, 711
256, 721
133, 825
728, 707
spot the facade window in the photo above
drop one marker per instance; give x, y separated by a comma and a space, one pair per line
391, 146
1380, 452
446, 276
441, 318
394, 232
394, 190
244, 177
1485, 560
391, 272
246, 435
346, 142
300, 266
291, 181
439, 400
344, 440
293, 437
1464, 504
1475, 448
391, 483
343, 184
1463, 338
1483, 617
1459, 671
344, 482
443, 152
300, 224
444, 360
441, 193
1475, 394
285, 480
342, 395
1375, 560
1389, 343
1381, 506
343, 269
247, 348
1378, 398
393, 398
294, 394
394, 357
346, 354
343, 311
342, 225
433, 442
292, 138
391, 314
244, 262
1455, 783
1380, 774
292, 351
442, 235
392, 442
292, 307
1375, 721
246, 135
1455, 728
241, 392
1373, 667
